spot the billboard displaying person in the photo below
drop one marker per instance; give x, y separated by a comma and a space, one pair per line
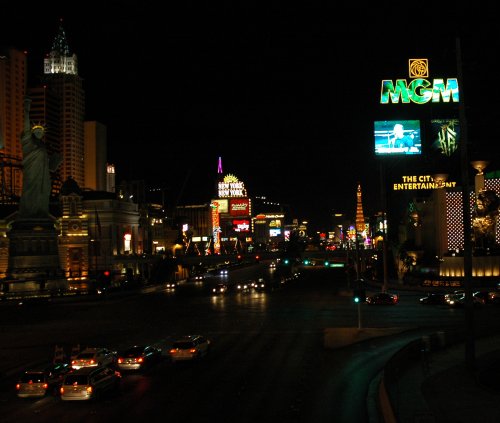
397, 137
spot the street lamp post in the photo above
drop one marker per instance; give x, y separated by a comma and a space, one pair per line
384, 225
464, 165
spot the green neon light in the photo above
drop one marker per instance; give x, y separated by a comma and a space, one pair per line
419, 91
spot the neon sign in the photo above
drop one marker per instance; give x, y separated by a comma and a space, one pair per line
420, 90
216, 226
231, 187
422, 182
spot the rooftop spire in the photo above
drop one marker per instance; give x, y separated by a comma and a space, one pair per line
60, 60
60, 44
219, 166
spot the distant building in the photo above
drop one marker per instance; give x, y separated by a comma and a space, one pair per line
110, 178
269, 229
61, 76
193, 225
234, 210
13, 78
95, 152
98, 232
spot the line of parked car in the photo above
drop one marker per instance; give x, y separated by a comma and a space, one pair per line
457, 298
96, 371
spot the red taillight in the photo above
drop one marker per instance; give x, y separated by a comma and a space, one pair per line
120, 360
140, 360
92, 361
45, 386
89, 389
18, 386
173, 351
192, 350
61, 390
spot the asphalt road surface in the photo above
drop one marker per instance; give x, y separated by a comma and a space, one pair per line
268, 360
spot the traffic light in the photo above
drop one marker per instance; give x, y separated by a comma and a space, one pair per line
106, 277
286, 261
359, 295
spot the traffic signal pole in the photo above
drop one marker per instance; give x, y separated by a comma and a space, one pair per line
359, 297
359, 315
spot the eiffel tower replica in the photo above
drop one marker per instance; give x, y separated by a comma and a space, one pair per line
360, 217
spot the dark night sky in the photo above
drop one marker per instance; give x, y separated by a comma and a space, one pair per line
286, 95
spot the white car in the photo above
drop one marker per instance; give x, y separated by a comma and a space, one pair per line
89, 383
190, 347
93, 357
39, 382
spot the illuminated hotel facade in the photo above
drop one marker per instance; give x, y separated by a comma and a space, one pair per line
483, 265
436, 226
61, 76
231, 216
13, 78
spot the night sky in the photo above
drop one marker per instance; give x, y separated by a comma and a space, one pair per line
286, 95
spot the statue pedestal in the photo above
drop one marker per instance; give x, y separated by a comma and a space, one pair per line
34, 256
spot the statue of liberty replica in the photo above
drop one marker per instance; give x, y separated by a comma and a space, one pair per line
33, 250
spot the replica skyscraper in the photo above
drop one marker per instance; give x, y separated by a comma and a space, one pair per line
61, 77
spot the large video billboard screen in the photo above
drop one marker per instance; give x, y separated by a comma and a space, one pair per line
397, 137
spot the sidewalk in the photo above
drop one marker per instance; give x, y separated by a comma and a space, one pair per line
443, 390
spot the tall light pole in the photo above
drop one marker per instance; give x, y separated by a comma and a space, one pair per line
464, 165
383, 196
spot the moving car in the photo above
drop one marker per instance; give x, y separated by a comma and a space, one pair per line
434, 298
457, 300
138, 357
220, 288
93, 357
494, 295
260, 285
382, 298
190, 347
452, 296
89, 383
244, 287
36, 383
